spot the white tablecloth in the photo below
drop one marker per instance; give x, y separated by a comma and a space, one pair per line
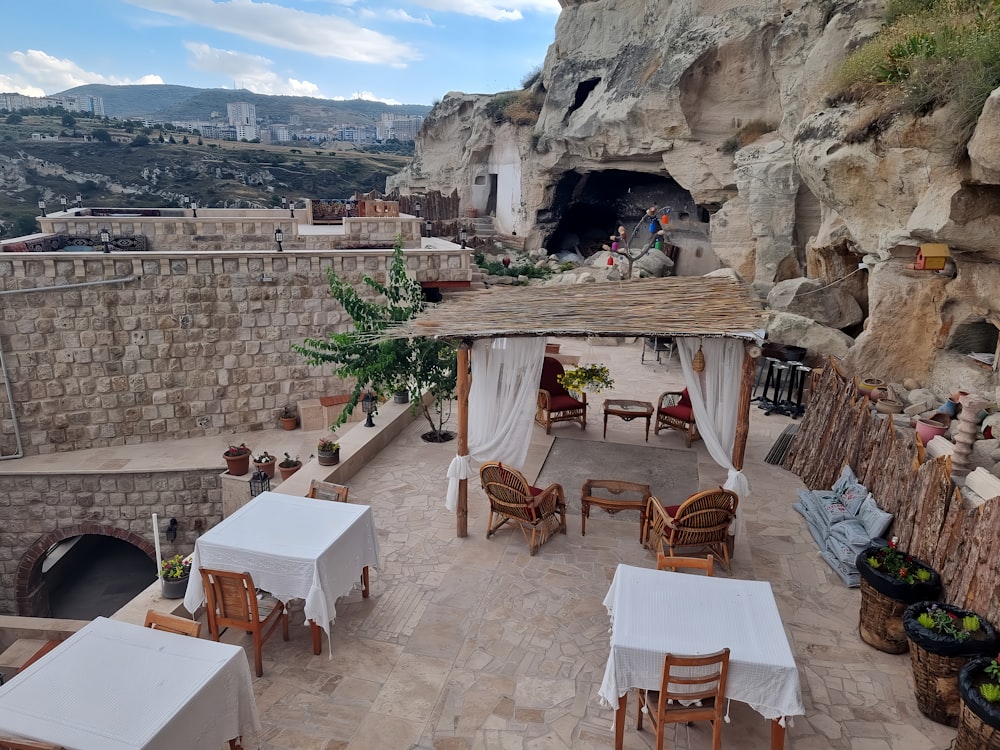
655, 612
113, 685
294, 547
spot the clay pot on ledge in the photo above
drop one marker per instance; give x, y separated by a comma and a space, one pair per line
287, 471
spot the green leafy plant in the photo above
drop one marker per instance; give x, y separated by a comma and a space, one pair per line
899, 565
991, 690
288, 462
327, 446
233, 451
948, 623
587, 377
176, 567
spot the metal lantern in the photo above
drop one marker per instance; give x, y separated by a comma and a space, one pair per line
368, 407
259, 482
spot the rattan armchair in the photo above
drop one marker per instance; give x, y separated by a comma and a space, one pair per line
555, 404
686, 679
232, 603
700, 522
512, 499
674, 412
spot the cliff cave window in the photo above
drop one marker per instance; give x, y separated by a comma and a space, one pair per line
583, 90
975, 337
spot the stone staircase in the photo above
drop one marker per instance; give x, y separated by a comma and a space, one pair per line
482, 227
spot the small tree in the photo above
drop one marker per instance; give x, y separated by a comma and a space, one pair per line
387, 366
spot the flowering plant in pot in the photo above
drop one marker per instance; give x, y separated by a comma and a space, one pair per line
328, 452
942, 639
891, 579
237, 459
174, 574
287, 417
979, 692
265, 462
289, 466
581, 378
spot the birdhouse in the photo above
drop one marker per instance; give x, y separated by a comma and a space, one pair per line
931, 257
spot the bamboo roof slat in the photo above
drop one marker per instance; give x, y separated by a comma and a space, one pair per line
706, 306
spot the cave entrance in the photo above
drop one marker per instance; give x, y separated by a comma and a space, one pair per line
587, 208
978, 339
491, 200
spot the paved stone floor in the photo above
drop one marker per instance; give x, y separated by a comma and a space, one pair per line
472, 643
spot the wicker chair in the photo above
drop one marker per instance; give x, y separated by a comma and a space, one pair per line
555, 404
172, 624
702, 522
530, 508
707, 685
232, 602
674, 412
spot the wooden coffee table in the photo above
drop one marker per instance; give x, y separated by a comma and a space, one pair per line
627, 410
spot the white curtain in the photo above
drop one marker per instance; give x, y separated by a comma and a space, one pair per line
505, 377
715, 395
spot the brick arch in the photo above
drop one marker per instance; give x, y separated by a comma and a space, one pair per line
30, 593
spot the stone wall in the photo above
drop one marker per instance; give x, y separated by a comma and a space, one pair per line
180, 346
38, 511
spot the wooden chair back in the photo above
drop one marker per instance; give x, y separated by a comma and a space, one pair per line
232, 603
172, 624
688, 678
552, 368
13, 743
328, 491
507, 489
666, 562
704, 518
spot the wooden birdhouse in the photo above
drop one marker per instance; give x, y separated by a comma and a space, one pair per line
931, 257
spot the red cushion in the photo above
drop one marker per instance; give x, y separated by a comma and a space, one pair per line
551, 368
536, 491
683, 413
561, 403
672, 510
685, 398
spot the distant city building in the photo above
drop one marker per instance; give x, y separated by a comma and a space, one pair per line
400, 127
355, 133
92, 104
280, 134
247, 132
242, 113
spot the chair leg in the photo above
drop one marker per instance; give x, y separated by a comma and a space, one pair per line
258, 655
317, 637
365, 590
640, 702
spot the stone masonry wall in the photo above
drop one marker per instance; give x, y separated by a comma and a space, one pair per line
38, 511
185, 345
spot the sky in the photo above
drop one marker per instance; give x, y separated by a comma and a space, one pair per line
398, 52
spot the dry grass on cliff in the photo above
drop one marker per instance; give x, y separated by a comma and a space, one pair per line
517, 107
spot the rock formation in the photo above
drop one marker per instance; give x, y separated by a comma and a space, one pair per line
718, 111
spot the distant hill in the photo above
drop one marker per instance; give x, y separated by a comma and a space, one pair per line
167, 103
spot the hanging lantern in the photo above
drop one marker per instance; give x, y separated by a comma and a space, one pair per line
698, 360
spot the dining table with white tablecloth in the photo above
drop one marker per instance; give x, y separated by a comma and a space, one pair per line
117, 686
656, 612
294, 548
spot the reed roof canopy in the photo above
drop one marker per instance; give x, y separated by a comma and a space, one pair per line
706, 306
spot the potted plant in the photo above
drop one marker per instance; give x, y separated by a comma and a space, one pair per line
265, 462
979, 717
587, 377
174, 574
237, 459
890, 581
328, 452
289, 466
942, 639
287, 417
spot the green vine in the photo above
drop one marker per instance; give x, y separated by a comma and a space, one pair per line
587, 377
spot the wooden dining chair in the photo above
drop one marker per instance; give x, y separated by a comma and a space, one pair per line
13, 743
172, 624
328, 491
687, 679
666, 562
232, 602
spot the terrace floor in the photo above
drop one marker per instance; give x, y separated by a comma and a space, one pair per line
472, 643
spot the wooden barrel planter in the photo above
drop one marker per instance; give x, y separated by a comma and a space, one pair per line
883, 600
979, 719
938, 657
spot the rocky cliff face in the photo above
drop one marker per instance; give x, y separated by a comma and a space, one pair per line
717, 110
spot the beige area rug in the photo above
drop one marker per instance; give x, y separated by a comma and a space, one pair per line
672, 475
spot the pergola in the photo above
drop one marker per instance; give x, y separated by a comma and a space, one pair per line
678, 307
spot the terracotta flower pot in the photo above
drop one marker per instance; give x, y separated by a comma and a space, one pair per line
238, 465
267, 467
287, 471
927, 429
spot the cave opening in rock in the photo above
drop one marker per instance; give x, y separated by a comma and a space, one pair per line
587, 208
974, 337
583, 90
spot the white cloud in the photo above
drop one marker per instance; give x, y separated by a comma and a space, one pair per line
41, 72
493, 11
367, 96
288, 28
251, 72
395, 14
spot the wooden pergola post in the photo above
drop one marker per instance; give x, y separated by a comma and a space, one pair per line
743, 408
462, 387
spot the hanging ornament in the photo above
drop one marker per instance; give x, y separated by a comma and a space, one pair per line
698, 360
611, 261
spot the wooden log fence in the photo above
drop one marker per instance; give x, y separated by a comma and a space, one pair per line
963, 545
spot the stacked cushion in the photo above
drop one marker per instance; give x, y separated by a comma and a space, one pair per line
844, 521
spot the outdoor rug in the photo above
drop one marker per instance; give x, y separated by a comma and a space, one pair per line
672, 475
